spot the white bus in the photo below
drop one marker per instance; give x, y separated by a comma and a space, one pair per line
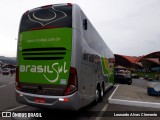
63, 63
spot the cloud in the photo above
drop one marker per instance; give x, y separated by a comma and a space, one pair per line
129, 27
135, 31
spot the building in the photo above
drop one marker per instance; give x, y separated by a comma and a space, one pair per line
1, 63
150, 61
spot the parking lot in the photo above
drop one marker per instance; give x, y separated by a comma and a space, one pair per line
103, 110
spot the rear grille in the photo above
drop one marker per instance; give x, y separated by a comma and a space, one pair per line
44, 91
30, 90
44, 53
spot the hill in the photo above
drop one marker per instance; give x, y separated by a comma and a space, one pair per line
8, 60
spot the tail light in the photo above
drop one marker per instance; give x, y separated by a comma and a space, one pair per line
17, 84
46, 6
72, 82
125, 76
45, 27
69, 4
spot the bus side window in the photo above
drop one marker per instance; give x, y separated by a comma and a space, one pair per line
85, 24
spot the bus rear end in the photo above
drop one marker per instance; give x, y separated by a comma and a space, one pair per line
44, 76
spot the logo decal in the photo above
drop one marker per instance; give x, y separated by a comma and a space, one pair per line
46, 69
45, 21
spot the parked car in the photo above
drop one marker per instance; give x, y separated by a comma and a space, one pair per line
0, 70
5, 71
134, 76
12, 71
123, 79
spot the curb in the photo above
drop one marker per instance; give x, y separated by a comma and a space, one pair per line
132, 103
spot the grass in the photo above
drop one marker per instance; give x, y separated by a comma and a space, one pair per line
143, 74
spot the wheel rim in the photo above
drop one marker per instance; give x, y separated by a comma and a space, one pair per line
97, 95
102, 92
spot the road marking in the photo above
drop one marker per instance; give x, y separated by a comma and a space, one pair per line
11, 82
3, 86
135, 103
131, 102
113, 92
102, 112
17, 108
105, 107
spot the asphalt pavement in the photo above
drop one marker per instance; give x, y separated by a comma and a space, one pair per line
101, 111
142, 83
7, 92
8, 104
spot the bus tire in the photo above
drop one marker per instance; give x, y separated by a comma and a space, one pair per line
97, 95
102, 92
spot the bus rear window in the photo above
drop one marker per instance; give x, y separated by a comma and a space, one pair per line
47, 17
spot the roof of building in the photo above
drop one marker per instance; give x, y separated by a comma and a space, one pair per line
151, 59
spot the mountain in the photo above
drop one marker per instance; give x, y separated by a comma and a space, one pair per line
8, 60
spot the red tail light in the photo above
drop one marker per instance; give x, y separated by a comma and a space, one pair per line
69, 4
26, 12
45, 27
72, 82
45, 6
18, 86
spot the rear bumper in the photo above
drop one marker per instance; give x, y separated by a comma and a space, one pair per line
130, 81
52, 102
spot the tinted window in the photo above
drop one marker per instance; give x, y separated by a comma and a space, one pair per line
119, 76
52, 16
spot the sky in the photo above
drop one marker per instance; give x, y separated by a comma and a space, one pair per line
128, 27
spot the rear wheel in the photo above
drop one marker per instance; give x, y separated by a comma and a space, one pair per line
129, 83
97, 95
102, 92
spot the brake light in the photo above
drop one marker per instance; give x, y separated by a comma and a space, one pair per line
125, 76
45, 6
64, 99
26, 12
69, 4
72, 82
18, 86
45, 27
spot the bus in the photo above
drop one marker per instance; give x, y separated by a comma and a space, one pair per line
62, 62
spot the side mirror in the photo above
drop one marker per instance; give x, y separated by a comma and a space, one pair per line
85, 24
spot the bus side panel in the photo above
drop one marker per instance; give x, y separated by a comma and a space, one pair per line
100, 52
88, 73
89, 70
76, 48
85, 69
90, 56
